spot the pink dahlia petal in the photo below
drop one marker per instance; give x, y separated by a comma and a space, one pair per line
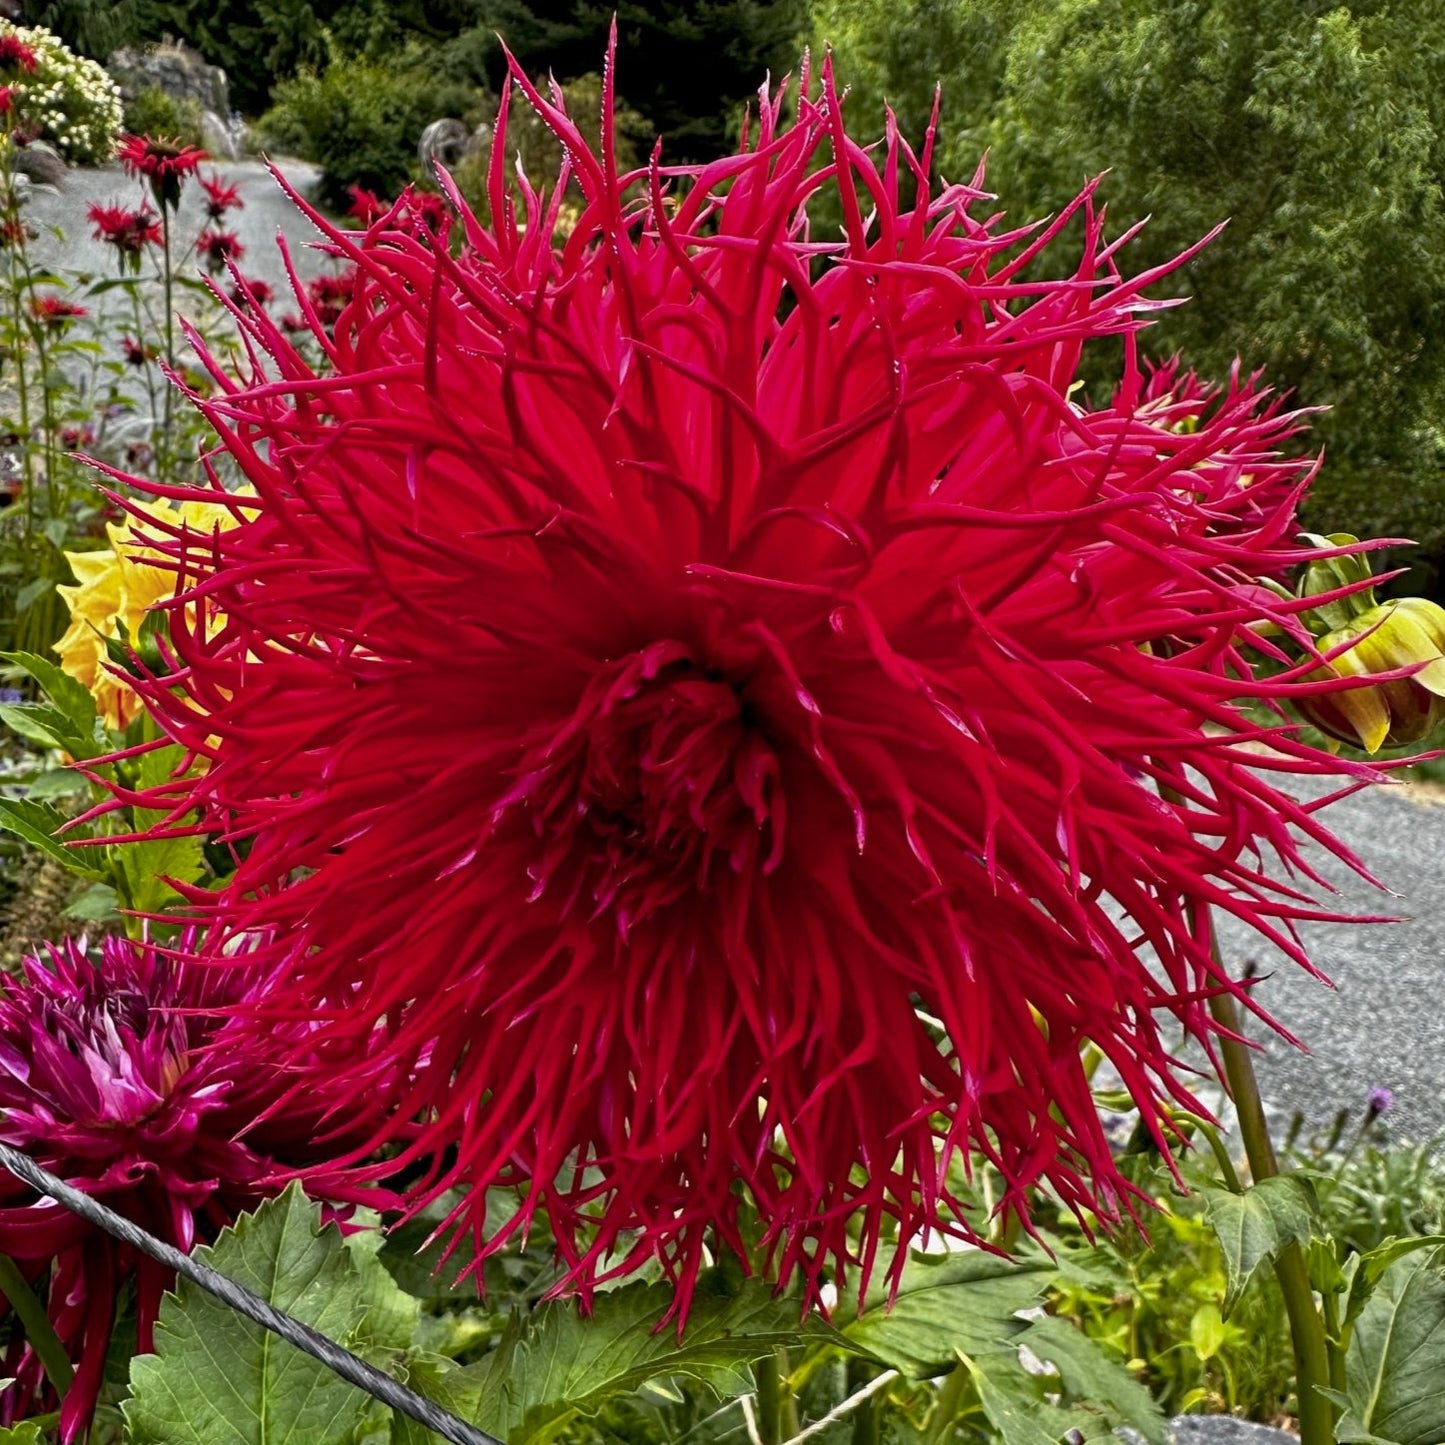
711, 710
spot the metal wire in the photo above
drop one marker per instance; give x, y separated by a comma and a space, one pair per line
350, 1367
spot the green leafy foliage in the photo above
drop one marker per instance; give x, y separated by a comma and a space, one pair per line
556, 1365
218, 1379
1254, 1226
1318, 132
360, 119
1396, 1358
154, 112
947, 1304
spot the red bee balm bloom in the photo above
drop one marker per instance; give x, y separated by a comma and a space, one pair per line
220, 197
218, 247
55, 311
110, 1078
15, 54
164, 163
780, 723
129, 231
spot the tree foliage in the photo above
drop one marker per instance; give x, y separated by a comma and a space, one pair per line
1317, 130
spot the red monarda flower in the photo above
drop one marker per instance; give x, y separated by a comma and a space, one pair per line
217, 247
118, 1078
15, 54
709, 709
220, 198
164, 162
55, 312
328, 296
251, 290
129, 231
137, 353
366, 206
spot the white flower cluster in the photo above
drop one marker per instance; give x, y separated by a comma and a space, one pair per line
69, 100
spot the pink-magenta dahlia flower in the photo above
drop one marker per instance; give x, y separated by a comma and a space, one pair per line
711, 707
119, 1077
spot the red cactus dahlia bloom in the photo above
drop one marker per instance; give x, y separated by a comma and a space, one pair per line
112, 1080
711, 709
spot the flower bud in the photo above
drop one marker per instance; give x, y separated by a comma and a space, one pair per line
1407, 632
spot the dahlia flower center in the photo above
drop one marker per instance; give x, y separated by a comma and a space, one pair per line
116, 1064
661, 777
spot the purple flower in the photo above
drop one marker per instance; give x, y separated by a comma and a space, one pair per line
115, 1077
1381, 1101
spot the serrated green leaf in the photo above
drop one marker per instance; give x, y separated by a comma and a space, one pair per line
1012, 1413
147, 865
25, 1433
1090, 1373
390, 1317
37, 824
44, 724
1395, 1365
1368, 1268
96, 904
965, 1302
218, 1379
555, 1365
71, 697
1254, 1226
452, 1386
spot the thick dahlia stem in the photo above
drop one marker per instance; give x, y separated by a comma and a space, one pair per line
1306, 1326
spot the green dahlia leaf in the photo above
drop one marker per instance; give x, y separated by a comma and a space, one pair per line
218, 1379
1254, 1226
554, 1365
1395, 1365
948, 1304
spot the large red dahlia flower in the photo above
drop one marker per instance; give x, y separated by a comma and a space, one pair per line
710, 706
117, 1077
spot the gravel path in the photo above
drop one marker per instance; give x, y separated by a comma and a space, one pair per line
1383, 1024
267, 211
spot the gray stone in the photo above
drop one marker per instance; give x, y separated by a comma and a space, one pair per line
224, 139
1224, 1430
41, 163
443, 142
175, 68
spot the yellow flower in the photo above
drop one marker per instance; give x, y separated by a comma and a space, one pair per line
113, 586
1403, 633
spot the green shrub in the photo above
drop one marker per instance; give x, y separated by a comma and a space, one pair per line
360, 120
67, 100
532, 144
153, 112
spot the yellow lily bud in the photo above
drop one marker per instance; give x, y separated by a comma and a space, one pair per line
1408, 631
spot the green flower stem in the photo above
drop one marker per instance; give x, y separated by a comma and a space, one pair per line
947, 1405
162, 458
38, 1329
1306, 1326
1216, 1145
866, 1415
1334, 1344
768, 1373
